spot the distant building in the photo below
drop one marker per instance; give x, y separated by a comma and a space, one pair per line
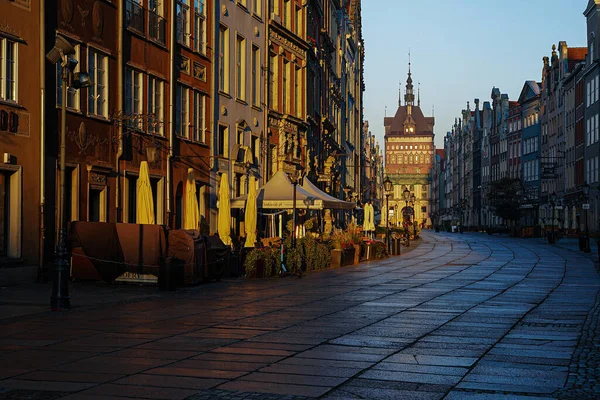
529, 126
591, 118
409, 153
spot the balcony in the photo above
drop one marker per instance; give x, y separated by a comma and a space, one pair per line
156, 27
134, 16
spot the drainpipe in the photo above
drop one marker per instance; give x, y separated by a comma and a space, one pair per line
214, 96
171, 108
266, 71
42, 59
119, 217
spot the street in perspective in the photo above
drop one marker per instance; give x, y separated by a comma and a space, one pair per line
469, 316
299, 199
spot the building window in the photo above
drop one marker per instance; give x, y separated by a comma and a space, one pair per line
199, 26
255, 76
257, 8
9, 71
156, 22
243, 3
284, 87
287, 14
182, 13
133, 98
72, 94
98, 92
199, 127
298, 92
299, 22
223, 59
223, 140
134, 15
182, 112
155, 105
240, 68
272, 81
274, 6
255, 147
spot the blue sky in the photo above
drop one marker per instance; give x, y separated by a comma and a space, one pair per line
460, 49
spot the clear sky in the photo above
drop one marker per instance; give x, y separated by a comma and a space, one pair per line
460, 49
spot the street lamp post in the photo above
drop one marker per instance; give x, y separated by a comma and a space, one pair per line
388, 187
586, 192
406, 195
297, 179
60, 299
414, 216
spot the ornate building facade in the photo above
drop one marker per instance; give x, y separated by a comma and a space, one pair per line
409, 154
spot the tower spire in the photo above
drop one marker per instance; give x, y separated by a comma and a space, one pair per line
409, 96
400, 94
419, 94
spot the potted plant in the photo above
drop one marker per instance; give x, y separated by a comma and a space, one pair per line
343, 249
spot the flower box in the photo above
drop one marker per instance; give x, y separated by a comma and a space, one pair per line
342, 258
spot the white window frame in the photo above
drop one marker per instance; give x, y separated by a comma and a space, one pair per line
240, 67
257, 8
134, 101
155, 104
97, 93
199, 26
199, 117
182, 111
255, 75
223, 59
14, 95
182, 22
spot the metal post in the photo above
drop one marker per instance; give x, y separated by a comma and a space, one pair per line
294, 218
586, 248
60, 299
409, 219
387, 222
553, 213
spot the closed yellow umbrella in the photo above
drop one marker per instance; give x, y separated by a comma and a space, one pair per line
224, 220
191, 202
384, 215
251, 214
145, 203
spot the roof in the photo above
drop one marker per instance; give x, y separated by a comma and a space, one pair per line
440, 152
424, 125
577, 53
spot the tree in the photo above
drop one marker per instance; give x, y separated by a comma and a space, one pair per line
505, 198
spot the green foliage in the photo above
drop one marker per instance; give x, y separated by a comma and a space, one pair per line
270, 257
316, 256
342, 240
505, 197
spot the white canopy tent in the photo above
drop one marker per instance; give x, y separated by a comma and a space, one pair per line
278, 193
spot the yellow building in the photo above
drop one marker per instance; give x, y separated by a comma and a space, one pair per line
409, 152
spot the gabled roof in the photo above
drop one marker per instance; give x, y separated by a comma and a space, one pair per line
530, 90
423, 124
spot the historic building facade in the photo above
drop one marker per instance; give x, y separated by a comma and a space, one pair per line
240, 107
286, 131
591, 115
22, 134
409, 154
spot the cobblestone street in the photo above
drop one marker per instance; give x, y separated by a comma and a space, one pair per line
461, 316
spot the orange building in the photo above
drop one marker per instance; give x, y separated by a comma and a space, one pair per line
409, 154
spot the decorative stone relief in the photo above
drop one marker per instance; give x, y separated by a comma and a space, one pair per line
184, 65
84, 13
199, 71
97, 19
255, 121
97, 179
67, 8
223, 110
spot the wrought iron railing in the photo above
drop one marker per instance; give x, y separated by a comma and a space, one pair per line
156, 27
134, 16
